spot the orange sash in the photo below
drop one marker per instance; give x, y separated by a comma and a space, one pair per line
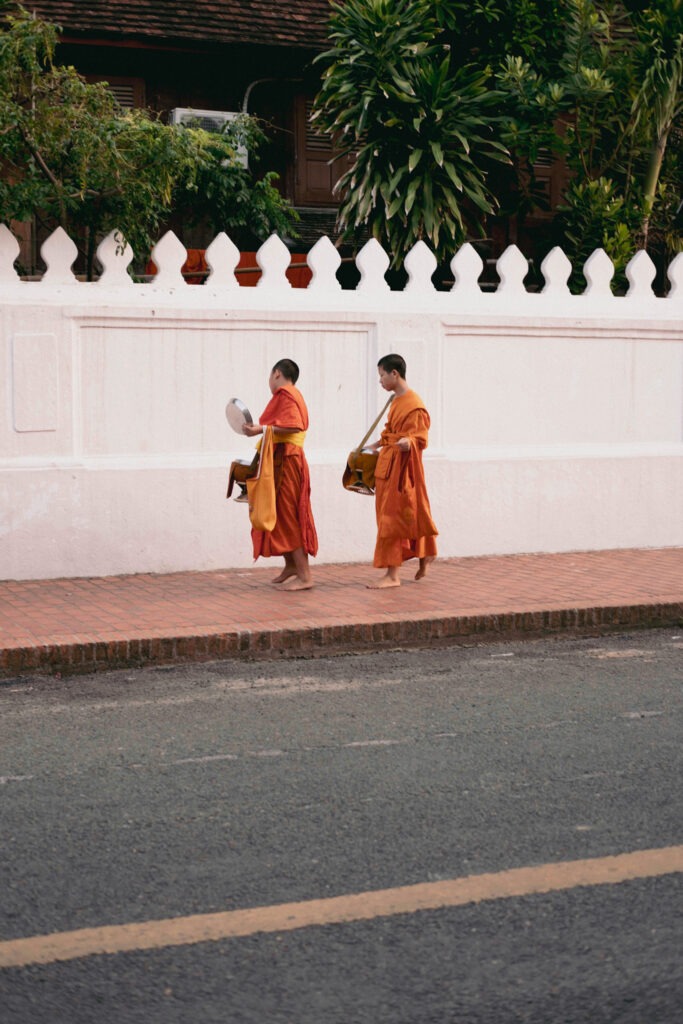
261, 488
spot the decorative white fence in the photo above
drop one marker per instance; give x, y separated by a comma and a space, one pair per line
557, 420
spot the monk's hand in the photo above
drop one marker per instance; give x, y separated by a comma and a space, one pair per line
404, 444
252, 429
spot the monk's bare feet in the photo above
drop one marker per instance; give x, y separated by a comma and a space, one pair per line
285, 575
424, 566
386, 581
298, 584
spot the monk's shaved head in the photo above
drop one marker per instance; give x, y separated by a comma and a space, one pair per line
393, 362
288, 369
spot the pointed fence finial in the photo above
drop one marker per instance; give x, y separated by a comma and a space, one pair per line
59, 254
556, 270
222, 257
467, 266
324, 261
9, 250
420, 264
169, 255
114, 255
598, 271
512, 268
641, 272
373, 263
675, 275
273, 258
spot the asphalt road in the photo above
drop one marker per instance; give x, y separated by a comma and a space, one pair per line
137, 796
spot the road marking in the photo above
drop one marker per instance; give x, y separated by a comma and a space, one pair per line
365, 906
198, 760
631, 652
4, 779
219, 689
375, 743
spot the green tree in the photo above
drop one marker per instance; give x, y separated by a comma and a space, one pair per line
607, 106
659, 100
410, 88
420, 134
71, 156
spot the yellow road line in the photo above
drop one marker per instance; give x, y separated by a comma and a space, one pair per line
364, 906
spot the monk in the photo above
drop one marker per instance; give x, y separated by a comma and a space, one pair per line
405, 528
293, 535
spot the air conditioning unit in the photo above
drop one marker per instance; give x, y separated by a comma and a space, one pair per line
210, 121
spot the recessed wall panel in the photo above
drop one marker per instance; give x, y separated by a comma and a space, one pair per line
162, 389
35, 383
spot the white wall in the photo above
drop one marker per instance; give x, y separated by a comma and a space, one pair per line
557, 420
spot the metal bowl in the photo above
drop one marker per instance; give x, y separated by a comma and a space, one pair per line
237, 414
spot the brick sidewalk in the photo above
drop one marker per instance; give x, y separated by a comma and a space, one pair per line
79, 625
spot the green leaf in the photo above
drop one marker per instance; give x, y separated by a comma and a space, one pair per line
453, 175
412, 193
414, 159
394, 206
437, 150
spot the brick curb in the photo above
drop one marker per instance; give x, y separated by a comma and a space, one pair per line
311, 641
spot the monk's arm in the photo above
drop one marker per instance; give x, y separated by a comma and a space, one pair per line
415, 427
252, 429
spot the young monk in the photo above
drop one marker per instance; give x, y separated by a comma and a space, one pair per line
294, 534
405, 528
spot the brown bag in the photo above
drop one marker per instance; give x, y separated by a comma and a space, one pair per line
240, 471
359, 475
261, 488
359, 472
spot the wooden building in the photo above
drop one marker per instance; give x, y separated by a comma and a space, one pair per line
216, 58
213, 59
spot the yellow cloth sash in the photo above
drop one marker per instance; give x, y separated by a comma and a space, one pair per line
261, 489
296, 437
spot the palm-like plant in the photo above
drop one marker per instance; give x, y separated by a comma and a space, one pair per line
611, 101
419, 135
659, 101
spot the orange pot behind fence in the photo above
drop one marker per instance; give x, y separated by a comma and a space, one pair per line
195, 270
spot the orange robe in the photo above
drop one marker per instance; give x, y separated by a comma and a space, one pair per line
405, 528
294, 527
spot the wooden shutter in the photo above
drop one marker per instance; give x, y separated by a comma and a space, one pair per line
314, 176
130, 92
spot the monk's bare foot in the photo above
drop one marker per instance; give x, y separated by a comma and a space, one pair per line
284, 575
386, 581
298, 584
424, 566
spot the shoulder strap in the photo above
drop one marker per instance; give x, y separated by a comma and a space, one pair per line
389, 401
